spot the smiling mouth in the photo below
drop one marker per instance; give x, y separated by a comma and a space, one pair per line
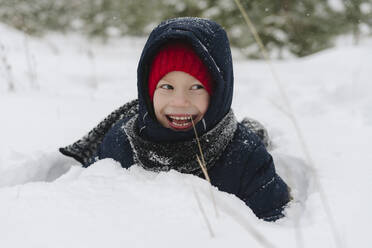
181, 122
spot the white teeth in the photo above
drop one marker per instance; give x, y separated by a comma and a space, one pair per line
180, 124
180, 118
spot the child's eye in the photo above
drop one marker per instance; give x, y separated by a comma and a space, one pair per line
197, 87
166, 87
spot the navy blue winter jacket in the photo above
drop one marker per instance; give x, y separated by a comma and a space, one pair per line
245, 168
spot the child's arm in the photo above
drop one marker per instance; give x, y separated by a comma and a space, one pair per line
262, 189
115, 145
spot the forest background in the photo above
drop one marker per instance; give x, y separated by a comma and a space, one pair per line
287, 27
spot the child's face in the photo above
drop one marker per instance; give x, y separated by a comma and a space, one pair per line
177, 96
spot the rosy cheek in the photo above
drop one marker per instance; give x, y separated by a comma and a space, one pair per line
204, 103
157, 103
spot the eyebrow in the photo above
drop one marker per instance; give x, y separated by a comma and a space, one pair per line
164, 80
194, 82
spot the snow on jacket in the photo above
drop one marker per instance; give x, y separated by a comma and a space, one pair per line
236, 157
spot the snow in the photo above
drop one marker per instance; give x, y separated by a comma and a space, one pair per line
48, 200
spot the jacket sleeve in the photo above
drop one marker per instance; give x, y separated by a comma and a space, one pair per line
115, 145
261, 188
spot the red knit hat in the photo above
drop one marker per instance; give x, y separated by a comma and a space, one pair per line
178, 57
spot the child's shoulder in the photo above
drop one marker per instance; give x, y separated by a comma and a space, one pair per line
116, 133
246, 150
246, 139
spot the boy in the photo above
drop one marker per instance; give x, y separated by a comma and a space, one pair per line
185, 75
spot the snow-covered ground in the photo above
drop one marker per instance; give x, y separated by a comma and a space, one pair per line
64, 85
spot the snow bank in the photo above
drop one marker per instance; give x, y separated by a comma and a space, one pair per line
42, 166
106, 205
48, 200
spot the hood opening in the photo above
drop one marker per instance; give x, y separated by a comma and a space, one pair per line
210, 43
197, 45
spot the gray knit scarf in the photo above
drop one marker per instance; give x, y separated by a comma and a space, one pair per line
181, 156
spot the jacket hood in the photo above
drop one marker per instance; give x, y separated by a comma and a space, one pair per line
210, 42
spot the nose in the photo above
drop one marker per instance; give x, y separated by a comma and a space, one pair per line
180, 99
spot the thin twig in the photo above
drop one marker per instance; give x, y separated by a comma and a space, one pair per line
204, 169
197, 139
292, 117
30, 59
91, 57
7, 68
280, 108
240, 217
203, 213
256, 234
203, 166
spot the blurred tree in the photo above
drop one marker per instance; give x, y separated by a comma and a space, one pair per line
294, 27
357, 13
298, 27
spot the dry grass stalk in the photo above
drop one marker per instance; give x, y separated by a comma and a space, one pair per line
31, 64
7, 68
92, 58
209, 226
292, 117
204, 167
197, 139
